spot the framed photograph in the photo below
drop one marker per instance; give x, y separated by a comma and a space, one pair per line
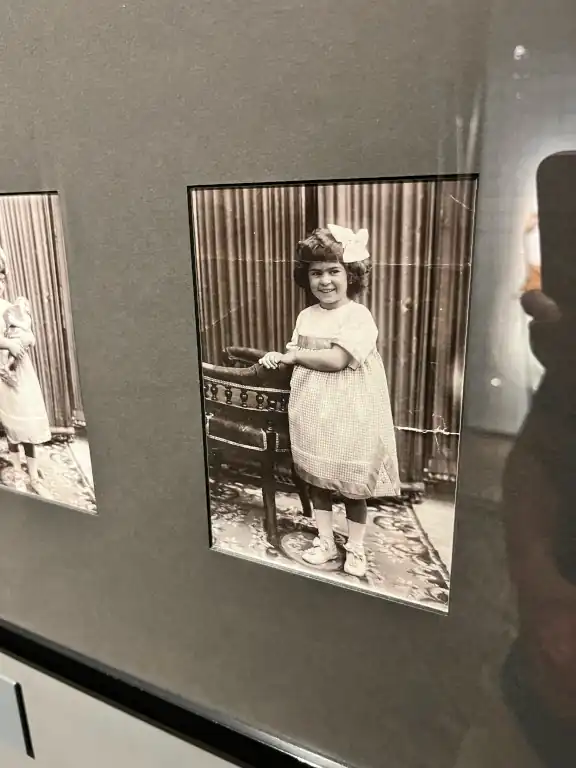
332, 323
44, 448
285, 149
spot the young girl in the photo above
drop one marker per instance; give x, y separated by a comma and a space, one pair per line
22, 409
18, 323
341, 427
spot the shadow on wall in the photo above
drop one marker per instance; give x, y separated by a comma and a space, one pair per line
480, 475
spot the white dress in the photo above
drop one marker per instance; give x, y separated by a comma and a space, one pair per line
341, 427
22, 409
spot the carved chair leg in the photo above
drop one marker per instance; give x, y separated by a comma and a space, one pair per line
269, 498
216, 462
302, 488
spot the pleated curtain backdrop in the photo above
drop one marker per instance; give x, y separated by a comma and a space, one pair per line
32, 238
449, 310
420, 242
245, 240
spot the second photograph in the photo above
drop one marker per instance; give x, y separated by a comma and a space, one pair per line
332, 323
44, 447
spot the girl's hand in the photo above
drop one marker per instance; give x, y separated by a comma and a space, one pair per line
15, 347
271, 360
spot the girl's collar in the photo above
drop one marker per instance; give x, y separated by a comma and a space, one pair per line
328, 309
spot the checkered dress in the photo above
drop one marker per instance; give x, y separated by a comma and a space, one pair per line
341, 427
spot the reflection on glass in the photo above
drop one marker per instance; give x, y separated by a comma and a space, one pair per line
539, 493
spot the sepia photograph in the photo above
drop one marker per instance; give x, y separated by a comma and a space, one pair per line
44, 448
332, 329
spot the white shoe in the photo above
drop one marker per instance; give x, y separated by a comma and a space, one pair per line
39, 488
322, 551
17, 479
356, 563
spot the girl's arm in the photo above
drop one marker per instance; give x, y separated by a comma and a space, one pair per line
328, 360
14, 346
349, 350
27, 338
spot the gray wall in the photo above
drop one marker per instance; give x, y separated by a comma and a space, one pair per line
119, 106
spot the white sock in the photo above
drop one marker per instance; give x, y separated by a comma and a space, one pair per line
15, 458
33, 468
356, 532
323, 519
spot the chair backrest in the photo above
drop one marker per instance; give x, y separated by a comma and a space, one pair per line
263, 407
244, 355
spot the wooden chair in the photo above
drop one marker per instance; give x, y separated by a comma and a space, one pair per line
246, 411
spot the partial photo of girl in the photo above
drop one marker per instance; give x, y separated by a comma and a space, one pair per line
332, 328
22, 409
44, 448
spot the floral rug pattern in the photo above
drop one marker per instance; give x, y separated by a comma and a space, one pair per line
402, 563
59, 472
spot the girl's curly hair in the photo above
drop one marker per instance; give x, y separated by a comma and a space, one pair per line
321, 245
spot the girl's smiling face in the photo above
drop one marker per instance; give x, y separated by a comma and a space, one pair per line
329, 283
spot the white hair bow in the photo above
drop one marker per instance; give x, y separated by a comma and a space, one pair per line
354, 242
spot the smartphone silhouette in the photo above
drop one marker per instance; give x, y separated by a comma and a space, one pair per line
556, 189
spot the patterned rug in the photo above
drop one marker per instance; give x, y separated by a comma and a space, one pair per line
60, 473
402, 563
